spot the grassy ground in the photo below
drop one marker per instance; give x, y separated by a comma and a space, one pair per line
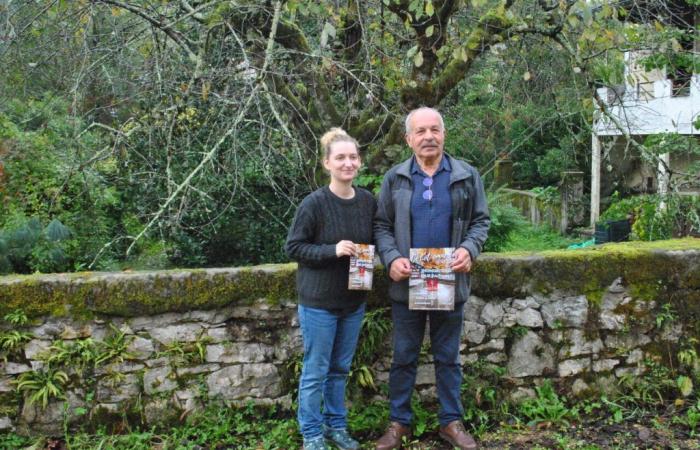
537, 238
663, 426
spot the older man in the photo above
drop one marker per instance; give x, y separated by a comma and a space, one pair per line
431, 200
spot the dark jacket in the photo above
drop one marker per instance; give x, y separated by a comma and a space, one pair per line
392, 223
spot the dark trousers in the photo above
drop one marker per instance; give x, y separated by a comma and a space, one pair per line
445, 333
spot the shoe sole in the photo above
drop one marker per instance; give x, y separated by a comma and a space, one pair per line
449, 439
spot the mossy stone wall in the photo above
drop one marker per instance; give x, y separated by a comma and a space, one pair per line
148, 346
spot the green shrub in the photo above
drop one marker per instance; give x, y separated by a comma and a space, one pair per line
547, 408
27, 246
504, 220
651, 222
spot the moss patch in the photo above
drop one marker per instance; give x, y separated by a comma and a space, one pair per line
144, 293
590, 270
642, 265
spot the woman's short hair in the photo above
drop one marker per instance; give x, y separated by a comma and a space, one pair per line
334, 135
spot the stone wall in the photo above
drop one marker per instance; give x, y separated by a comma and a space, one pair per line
152, 346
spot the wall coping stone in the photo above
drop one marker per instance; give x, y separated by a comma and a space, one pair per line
588, 271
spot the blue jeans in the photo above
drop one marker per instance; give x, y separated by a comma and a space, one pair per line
445, 333
330, 340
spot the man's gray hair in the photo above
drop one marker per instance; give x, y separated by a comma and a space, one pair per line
422, 108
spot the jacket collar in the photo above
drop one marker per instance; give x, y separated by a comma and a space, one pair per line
458, 172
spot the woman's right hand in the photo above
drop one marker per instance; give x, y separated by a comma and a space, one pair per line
345, 248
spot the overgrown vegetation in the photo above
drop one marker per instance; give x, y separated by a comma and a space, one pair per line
140, 147
654, 217
490, 419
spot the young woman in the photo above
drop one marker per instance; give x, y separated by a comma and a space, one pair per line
328, 224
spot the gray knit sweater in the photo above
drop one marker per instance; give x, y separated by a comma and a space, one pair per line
320, 222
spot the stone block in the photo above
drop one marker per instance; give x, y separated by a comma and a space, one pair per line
496, 358
529, 317
493, 344
242, 381
605, 365
186, 332
579, 387
12, 368
566, 312
140, 348
6, 385
34, 348
6, 424
530, 356
527, 302
492, 314
635, 356
473, 307
577, 344
474, 332
573, 367
203, 368
627, 341
158, 380
239, 352
118, 389
521, 394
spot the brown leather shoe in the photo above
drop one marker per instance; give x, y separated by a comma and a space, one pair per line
393, 437
455, 434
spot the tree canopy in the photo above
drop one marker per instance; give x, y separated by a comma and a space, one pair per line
203, 116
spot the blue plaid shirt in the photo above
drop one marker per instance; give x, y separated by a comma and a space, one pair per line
431, 220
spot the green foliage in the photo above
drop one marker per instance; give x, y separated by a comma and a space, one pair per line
56, 211
484, 405
547, 408
11, 342
17, 318
187, 353
114, 347
656, 384
87, 354
80, 353
376, 326
42, 385
691, 418
424, 419
504, 220
369, 417
535, 238
679, 217
26, 246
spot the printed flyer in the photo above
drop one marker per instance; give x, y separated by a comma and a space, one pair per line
361, 268
432, 282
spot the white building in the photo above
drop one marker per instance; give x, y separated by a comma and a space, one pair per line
648, 103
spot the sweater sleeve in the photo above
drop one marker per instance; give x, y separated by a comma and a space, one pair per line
301, 245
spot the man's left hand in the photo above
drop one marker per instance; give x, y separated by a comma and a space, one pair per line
461, 260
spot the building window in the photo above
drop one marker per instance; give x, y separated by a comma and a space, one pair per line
680, 86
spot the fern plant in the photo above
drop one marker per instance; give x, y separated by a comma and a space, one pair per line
16, 318
113, 348
82, 353
12, 341
42, 385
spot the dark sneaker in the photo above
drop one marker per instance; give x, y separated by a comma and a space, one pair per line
341, 438
316, 444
